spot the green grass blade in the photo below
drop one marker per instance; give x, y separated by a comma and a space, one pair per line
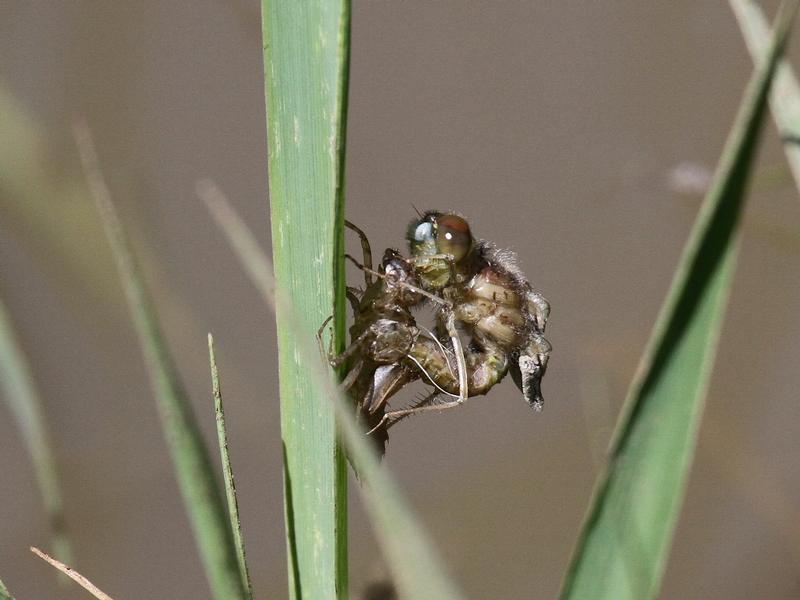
4, 593
306, 55
193, 468
417, 568
23, 399
784, 97
227, 471
624, 544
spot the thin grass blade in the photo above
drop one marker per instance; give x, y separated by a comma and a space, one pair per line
193, 468
306, 58
784, 98
227, 471
418, 570
23, 399
72, 574
623, 547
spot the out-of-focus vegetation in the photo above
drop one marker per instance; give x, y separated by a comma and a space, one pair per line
623, 548
199, 487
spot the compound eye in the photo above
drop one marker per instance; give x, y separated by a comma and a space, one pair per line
453, 236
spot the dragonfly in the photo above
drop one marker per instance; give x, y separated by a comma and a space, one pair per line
491, 300
473, 287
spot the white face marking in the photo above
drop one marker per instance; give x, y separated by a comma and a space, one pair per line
448, 236
424, 231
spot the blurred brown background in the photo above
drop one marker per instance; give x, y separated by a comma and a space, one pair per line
576, 133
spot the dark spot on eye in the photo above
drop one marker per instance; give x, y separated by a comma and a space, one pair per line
453, 223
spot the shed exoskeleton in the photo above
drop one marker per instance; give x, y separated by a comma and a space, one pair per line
388, 349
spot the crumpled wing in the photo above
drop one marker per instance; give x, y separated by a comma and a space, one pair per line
529, 368
387, 380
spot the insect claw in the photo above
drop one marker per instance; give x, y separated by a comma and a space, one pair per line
379, 425
326, 357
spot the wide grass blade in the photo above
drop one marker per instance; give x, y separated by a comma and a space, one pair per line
190, 458
23, 399
227, 471
306, 56
624, 544
784, 97
417, 568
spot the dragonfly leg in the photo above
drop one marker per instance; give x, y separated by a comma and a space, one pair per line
365, 249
